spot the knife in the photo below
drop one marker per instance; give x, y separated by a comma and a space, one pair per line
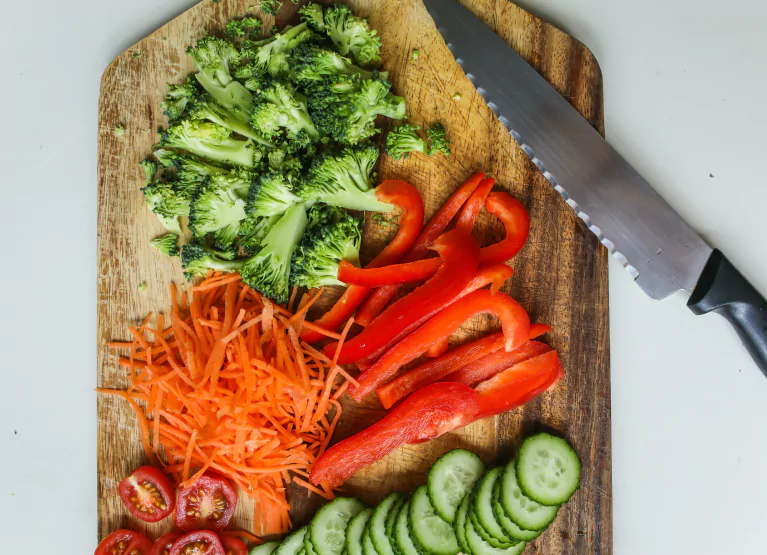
653, 243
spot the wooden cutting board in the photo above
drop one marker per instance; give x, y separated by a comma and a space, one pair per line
560, 275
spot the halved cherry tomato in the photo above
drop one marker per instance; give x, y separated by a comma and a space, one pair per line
207, 504
234, 546
124, 542
148, 494
199, 542
164, 543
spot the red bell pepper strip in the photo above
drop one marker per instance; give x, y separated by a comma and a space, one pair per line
438, 348
469, 213
451, 365
459, 253
419, 270
518, 384
428, 413
491, 364
514, 322
438, 223
515, 220
407, 197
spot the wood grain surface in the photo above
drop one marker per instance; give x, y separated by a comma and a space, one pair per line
560, 275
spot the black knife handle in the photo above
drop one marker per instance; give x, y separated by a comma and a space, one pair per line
722, 288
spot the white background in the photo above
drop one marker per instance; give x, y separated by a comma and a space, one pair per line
684, 100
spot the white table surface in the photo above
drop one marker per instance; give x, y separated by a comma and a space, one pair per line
684, 102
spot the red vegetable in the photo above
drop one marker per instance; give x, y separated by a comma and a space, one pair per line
148, 494
233, 546
198, 542
408, 198
459, 253
491, 364
433, 229
514, 321
386, 275
438, 348
515, 220
468, 216
517, 385
128, 542
428, 413
208, 503
164, 543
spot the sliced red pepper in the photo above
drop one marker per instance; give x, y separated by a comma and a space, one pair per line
469, 213
459, 253
407, 197
514, 321
438, 348
517, 385
428, 413
515, 220
491, 364
419, 270
438, 223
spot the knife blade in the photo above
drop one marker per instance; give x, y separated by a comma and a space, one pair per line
641, 230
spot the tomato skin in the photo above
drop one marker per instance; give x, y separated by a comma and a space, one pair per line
164, 543
198, 542
124, 542
208, 504
148, 494
234, 546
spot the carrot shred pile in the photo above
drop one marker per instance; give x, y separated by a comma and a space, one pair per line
229, 386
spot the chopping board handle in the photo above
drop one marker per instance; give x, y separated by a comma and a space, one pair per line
722, 288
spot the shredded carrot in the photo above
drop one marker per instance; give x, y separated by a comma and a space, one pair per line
229, 386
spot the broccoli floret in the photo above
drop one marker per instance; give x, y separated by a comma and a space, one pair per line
346, 106
179, 98
284, 161
271, 7
312, 63
239, 122
332, 235
352, 34
166, 244
268, 271
211, 141
343, 180
190, 170
197, 260
438, 141
313, 15
167, 203
273, 194
253, 232
247, 27
150, 170
279, 106
119, 130
216, 208
270, 56
415, 55
403, 140
214, 57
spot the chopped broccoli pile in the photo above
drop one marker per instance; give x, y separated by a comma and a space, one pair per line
438, 140
268, 145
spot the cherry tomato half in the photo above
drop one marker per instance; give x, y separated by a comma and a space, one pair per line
233, 546
164, 543
124, 542
148, 494
207, 504
199, 542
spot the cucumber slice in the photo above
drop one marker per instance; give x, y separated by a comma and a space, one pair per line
509, 526
292, 544
430, 532
377, 525
460, 523
264, 548
367, 544
548, 469
391, 520
525, 512
354, 532
451, 479
482, 511
478, 546
327, 531
308, 545
402, 538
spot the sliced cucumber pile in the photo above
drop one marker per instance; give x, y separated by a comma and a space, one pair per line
462, 508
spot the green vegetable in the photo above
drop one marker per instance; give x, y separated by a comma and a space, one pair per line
197, 260
166, 244
312, 63
352, 34
248, 27
217, 208
414, 56
314, 16
119, 130
211, 141
438, 141
279, 106
179, 97
457, 96
270, 56
166, 201
270, 7
190, 170
142, 286
213, 57
404, 139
